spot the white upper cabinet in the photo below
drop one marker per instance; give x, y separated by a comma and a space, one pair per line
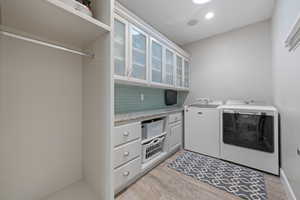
179, 71
138, 54
156, 61
186, 80
145, 57
120, 47
169, 67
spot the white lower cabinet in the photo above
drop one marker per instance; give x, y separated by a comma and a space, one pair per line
175, 135
127, 161
175, 131
173, 118
127, 133
127, 152
126, 173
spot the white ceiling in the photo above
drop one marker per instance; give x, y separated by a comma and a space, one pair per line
170, 17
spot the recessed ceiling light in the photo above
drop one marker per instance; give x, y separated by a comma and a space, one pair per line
201, 1
192, 22
209, 15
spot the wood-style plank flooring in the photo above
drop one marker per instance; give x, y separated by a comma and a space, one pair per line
163, 183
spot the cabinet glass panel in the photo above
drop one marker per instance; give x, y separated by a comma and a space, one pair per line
120, 48
186, 74
169, 68
179, 71
139, 54
156, 62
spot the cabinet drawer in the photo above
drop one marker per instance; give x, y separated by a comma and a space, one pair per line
127, 133
126, 173
175, 117
126, 152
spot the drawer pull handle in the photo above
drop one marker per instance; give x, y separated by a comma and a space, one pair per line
126, 173
200, 113
126, 153
126, 133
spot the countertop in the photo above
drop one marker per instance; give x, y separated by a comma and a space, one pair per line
144, 115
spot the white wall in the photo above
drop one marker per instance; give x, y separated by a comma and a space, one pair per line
97, 119
40, 120
286, 69
234, 65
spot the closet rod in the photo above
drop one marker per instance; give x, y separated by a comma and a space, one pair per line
45, 44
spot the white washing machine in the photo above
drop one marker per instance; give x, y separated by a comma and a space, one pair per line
249, 136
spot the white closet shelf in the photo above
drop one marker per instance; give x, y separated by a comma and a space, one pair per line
77, 191
52, 20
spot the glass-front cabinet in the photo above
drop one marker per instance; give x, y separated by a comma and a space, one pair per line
120, 47
156, 62
186, 78
141, 58
169, 68
179, 70
138, 54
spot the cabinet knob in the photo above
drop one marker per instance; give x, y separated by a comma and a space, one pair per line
200, 113
126, 133
126, 173
126, 153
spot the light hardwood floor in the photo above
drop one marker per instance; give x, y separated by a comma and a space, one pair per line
163, 183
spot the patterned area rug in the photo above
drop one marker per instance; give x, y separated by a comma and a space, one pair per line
240, 181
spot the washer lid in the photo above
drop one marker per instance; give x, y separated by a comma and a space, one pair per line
249, 107
235, 102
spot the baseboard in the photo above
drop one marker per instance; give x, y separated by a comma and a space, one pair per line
288, 189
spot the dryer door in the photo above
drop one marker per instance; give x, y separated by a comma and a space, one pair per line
254, 130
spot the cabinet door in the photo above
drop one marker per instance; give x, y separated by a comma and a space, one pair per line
156, 62
175, 135
170, 66
139, 46
179, 70
186, 81
120, 47
202, 131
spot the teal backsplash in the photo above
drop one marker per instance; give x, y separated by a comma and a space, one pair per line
128, 98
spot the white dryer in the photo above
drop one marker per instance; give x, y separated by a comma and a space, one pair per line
249, 136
